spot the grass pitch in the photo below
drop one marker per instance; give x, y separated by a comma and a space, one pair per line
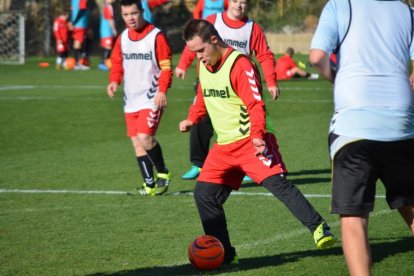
66, 166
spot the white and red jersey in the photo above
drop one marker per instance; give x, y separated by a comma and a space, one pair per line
60, 29
143, 60
239, 32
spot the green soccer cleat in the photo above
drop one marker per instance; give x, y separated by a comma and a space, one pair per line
192, 173
163, 181
146, 191
323, 237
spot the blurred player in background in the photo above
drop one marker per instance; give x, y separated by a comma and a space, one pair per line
142, 58
204, 8
230, 91
79, 19
107, 33
61, 29
149, 5
245, 35
286, 68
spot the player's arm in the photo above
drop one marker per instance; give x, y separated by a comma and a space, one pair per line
156, 3
320, 61
196, 112
109, 15
245, 79
185, 61
117, 71
266, 59
164, 56
198, 9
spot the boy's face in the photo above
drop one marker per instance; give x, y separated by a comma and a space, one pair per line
237, 9
207, 51
132, 16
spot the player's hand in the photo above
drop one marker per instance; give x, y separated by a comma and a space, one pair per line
185, 125
259, 145
111, 89
161, 100
179, 73
274, 92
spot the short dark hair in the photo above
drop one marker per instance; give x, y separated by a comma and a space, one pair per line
132, 2
199, 27
290, 51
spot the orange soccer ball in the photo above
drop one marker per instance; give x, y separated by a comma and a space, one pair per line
70, 63
206, 253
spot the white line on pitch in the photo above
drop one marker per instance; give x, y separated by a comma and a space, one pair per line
237, 193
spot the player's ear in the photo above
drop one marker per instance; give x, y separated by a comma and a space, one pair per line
214, 39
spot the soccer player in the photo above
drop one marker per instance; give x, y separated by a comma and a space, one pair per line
61, 35
142, 57
205, 8
287, 69
79, 19
372, 129
107, 32
149, 5
230, 92
245, 35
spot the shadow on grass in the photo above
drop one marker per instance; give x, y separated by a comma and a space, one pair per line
311, 178
380, 250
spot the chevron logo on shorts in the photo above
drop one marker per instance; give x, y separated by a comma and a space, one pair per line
152, 119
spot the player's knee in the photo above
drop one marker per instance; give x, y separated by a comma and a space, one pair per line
276, 183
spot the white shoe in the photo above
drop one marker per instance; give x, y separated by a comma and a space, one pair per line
313, 77
81, 67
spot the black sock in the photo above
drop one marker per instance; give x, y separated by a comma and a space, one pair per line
77, 55
106, 54
145, 166
155, 154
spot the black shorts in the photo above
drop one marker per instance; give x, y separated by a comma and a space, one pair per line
358, 165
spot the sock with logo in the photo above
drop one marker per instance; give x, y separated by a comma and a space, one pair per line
145, 166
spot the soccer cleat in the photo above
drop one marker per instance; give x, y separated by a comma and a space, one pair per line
313, 77
192, 173
163, 181
323, 237
146, 191
103, 67
247, 178
81, 67
234, 261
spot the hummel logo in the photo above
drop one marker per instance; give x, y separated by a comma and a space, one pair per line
253, 85
244, 131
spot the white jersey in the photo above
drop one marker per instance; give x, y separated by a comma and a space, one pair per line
141, 72
238, 38
372, 94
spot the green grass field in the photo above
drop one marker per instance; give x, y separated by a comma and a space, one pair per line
66, 165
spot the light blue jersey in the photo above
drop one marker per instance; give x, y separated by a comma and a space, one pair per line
105, 28
212, 7
82, 22
373, 96
147, 12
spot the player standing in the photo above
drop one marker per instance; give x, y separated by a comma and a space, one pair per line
80, 20
61, 35
142, 58
107, 32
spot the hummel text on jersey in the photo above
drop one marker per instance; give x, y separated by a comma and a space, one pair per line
216, 93
138, 56
236, 43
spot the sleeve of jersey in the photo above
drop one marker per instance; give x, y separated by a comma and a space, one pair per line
198, 9
117, 70
245, 79
264, 55
164, 56
107, 13
186, 59
198, 109
155, 3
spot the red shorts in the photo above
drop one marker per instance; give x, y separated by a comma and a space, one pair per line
285, 76
79, 34
228, 164
143, 121
107, 42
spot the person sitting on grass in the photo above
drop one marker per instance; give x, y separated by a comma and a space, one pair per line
287, 69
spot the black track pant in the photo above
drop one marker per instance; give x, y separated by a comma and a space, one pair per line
210, 197
200, 136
